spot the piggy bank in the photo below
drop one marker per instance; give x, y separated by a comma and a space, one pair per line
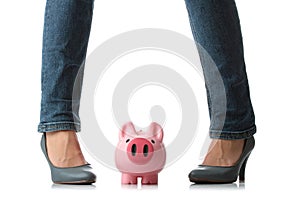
140, 154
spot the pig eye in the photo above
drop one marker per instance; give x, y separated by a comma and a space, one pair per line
153, 142
127, 140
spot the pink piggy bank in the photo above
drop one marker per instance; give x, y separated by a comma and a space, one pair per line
140, 154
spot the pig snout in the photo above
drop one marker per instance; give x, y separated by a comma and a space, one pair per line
140, 151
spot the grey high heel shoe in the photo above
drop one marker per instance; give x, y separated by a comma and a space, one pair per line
69, 175
218, 174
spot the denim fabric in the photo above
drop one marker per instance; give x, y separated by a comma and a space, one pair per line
66, 33
216, 29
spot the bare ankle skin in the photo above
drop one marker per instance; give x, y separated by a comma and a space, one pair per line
63, 149
224, 152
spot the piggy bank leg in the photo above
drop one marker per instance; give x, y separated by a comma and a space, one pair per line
129, 179
150, 179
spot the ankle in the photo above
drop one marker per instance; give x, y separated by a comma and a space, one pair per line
60, 134
63, 149
224, 152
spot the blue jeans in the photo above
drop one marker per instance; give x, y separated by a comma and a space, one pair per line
216, 29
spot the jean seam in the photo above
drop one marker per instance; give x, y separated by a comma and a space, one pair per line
57, 123
233, 134
57, 126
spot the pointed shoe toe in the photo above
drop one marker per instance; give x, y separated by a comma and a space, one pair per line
69, 175
219, 174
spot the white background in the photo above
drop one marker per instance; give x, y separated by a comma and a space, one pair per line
271, 39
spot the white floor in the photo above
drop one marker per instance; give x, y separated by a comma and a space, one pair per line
271, 38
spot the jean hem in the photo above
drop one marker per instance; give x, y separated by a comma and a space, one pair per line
233, 135
58, 126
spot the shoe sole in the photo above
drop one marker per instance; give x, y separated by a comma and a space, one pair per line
203, 181
76, 182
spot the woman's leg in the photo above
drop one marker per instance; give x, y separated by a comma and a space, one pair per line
215, 26
67, 27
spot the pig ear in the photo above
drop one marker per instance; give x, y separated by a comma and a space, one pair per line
127, 129
156, 130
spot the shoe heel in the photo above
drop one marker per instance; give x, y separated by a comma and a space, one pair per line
242, 170
68, 175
